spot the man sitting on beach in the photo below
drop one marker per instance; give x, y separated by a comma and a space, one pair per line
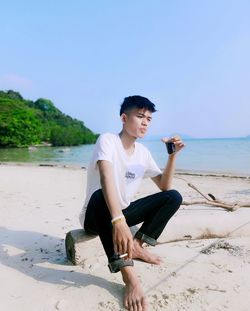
118, 165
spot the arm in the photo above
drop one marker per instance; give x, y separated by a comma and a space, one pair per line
164, 181
109, 188
122, 237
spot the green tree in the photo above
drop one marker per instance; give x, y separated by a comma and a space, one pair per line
19, 127
24, 122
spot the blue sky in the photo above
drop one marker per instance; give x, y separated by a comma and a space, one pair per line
191, 58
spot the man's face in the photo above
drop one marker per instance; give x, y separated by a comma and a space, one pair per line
136, 122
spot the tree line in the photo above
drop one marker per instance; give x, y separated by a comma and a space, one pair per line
25, 122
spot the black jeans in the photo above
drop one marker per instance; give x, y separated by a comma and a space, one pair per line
153, 211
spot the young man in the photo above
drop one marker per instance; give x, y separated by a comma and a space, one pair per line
118, 165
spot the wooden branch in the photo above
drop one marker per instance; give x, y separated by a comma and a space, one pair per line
228, 207
246, 204
211, 200
193, 187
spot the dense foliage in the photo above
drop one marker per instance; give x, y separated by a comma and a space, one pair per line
24, 122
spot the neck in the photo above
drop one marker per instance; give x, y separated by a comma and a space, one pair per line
128, 141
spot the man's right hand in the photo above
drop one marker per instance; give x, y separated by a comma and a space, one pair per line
123, 239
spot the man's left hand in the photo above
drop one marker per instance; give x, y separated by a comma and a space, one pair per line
177, 142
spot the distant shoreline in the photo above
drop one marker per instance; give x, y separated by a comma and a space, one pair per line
208, 156
178, 171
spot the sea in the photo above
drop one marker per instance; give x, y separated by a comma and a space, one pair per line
210, 155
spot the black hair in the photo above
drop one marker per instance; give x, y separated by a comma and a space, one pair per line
136, 101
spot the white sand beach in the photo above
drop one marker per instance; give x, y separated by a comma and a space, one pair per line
39, 205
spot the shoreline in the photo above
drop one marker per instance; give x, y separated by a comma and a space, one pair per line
177, 171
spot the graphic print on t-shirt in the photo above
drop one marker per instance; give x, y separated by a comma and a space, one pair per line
134, 172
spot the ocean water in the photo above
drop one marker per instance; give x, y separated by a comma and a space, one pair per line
221, 155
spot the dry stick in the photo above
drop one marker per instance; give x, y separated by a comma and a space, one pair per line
215, 202
192, 186
226, 206
246, 204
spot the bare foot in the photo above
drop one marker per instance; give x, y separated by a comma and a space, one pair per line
134, 299
141, 253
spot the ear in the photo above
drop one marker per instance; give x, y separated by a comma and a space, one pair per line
124, 118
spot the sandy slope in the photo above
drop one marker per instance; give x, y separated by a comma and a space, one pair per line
38, 205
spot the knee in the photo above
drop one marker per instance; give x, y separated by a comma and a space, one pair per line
97, 201
98, 195
175, 196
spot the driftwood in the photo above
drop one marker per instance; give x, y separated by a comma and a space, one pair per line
211, 200
228, 207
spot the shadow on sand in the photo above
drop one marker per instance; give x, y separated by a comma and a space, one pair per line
32, 250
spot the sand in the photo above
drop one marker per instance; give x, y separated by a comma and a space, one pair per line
39, 205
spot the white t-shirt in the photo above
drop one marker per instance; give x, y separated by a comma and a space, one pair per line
128, 169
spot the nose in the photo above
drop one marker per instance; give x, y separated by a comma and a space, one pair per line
145, 122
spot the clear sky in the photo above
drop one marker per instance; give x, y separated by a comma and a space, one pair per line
191, 58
